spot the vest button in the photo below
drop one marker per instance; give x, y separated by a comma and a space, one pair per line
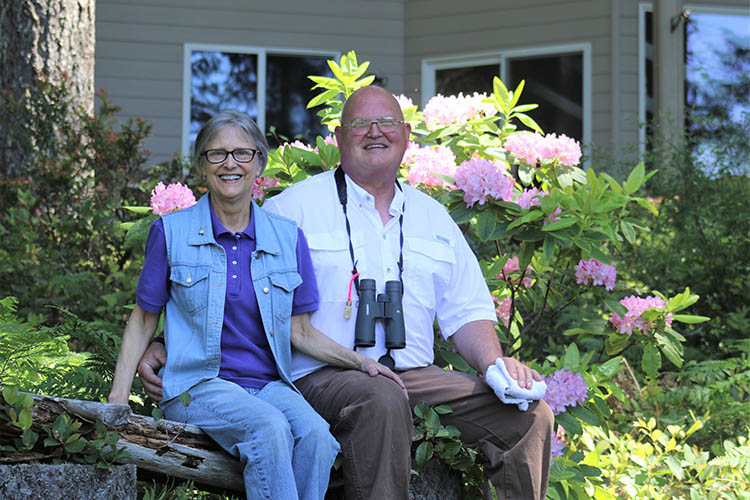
265, 290
270, 333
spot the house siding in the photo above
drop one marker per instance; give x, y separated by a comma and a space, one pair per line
140, 45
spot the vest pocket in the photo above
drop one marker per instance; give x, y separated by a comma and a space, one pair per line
189, 287
284, 285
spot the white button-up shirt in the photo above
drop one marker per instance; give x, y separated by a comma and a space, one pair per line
441, 275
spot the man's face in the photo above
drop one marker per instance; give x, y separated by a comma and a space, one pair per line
376, 152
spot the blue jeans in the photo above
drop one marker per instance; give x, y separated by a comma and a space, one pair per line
285, 447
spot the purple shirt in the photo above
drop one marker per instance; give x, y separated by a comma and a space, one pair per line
246, 358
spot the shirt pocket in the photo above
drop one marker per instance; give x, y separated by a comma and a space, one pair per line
428, 267
332, 262
284, 284
189, 287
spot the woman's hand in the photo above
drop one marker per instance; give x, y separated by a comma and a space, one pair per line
373, 368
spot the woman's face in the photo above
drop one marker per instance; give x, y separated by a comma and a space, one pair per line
230, 180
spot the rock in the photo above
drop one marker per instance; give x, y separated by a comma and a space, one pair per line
67, 481
436, 482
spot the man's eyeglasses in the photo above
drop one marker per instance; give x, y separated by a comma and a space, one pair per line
361, 126
244, 155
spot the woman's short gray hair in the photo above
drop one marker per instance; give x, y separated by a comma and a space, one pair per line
233, 118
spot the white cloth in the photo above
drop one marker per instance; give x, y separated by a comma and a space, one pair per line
442, 277
507, 389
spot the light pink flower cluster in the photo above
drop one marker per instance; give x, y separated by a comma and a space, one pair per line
404, 101
565, 388
297, 144
479, 178
600, 274
424, 162
446, 110
330, 139
511, 266
258, 191
532, 147
530, 197
166, 199
632, 322
503, 310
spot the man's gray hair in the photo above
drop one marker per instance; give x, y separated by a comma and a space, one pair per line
233, 118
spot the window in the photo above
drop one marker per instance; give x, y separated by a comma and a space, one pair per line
717, 69
557, 78
272, 87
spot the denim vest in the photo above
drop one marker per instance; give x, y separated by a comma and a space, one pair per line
198, 275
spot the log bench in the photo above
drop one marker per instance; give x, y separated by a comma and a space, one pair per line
166, 449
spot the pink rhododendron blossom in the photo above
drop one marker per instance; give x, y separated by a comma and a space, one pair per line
297, 144
565, 388
632, 322
404, 101
170, 198
511, 266
446, 110
424, 162
330, 139
258, 191
527, 146
503, 310
530, 197
553, 217
479, 179
600, 274
532, 147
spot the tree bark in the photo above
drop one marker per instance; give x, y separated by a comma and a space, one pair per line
44, 40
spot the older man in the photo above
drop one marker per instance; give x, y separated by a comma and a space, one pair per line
362, 219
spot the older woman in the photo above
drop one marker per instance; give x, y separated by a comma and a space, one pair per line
237, 284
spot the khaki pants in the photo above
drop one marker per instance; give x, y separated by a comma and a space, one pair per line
371, 419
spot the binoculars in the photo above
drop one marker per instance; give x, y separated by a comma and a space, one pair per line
387, 306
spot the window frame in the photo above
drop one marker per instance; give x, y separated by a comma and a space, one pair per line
260, 52
643, 8
501, 57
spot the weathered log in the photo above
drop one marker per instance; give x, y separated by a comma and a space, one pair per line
164, 448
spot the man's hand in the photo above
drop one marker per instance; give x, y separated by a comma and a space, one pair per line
373, 368
151, 362
522, 373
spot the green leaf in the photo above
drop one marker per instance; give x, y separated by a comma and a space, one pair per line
627, 231
10, 394
610, 367
443, 409
584, 414
186, 399
651, 360
24, 419
569, 423
560, 224
675, 467
688, 318
671, 349
423, 454
572, 358
138, 210
615, 343
529, 122
635, 179
486, 222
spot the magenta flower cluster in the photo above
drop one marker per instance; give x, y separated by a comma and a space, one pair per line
479, 179
565, 388
532, 147
632, 322
447, 110
258, 191
167, 199
512, 266
596, 272
423, 162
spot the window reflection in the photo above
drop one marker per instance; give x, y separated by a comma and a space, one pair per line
555, 83
222, 80
451, 81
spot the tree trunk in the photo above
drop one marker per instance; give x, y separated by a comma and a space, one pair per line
44, 40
